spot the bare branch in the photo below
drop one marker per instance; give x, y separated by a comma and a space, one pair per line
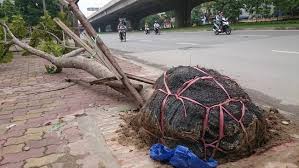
111, 82
57, 39
74, 53
6, 43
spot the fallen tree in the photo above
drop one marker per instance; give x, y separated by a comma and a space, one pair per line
107, 67
74, 59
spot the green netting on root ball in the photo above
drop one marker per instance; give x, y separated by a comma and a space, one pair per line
205, 111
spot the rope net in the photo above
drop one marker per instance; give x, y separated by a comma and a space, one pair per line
222, 109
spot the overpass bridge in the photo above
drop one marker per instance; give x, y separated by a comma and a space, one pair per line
135, 10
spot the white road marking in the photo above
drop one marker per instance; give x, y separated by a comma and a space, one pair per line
268, 30
287, 52
193, 44
146, 40
252, 35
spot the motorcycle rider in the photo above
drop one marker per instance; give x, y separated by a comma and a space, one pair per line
146, 28
156, 26
121, 27
219, 20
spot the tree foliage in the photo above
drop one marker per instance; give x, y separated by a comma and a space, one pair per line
258, 8
51, 47
18, 26
230, 8
1, 34
32, 10
20, 15
19, 29
168, 15
288, 7
5, 56
8, 10
44, 31
196, 15
150, 20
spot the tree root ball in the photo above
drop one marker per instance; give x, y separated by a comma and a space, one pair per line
205, 111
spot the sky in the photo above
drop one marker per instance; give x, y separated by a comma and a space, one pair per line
84, 4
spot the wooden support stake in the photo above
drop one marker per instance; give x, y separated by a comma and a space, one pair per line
140, 79
94, 52
70, 33
91, 32
114, 84
103, 80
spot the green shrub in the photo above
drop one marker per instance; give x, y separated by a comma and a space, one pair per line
5, 57
42, 31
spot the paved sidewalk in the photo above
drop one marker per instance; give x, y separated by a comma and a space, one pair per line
47, 122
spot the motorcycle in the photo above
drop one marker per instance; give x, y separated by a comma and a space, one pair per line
147, 31
157, 31
224, 29
123, 35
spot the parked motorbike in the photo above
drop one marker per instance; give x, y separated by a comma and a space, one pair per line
225, 28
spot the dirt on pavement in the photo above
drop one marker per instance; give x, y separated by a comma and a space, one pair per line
281, 142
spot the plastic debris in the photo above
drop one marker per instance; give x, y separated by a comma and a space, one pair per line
160, 152
10, 126
181, 157
26, 148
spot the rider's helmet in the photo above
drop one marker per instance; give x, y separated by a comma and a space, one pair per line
121, 20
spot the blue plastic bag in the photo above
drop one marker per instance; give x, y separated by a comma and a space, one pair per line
181, 157
160, 152
185, 158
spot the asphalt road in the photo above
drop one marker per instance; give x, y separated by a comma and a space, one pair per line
264, 62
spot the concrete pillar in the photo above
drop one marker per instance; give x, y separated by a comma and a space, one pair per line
102, 28
114, 26
183, 13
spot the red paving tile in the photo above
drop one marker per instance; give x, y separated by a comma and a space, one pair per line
26, 89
